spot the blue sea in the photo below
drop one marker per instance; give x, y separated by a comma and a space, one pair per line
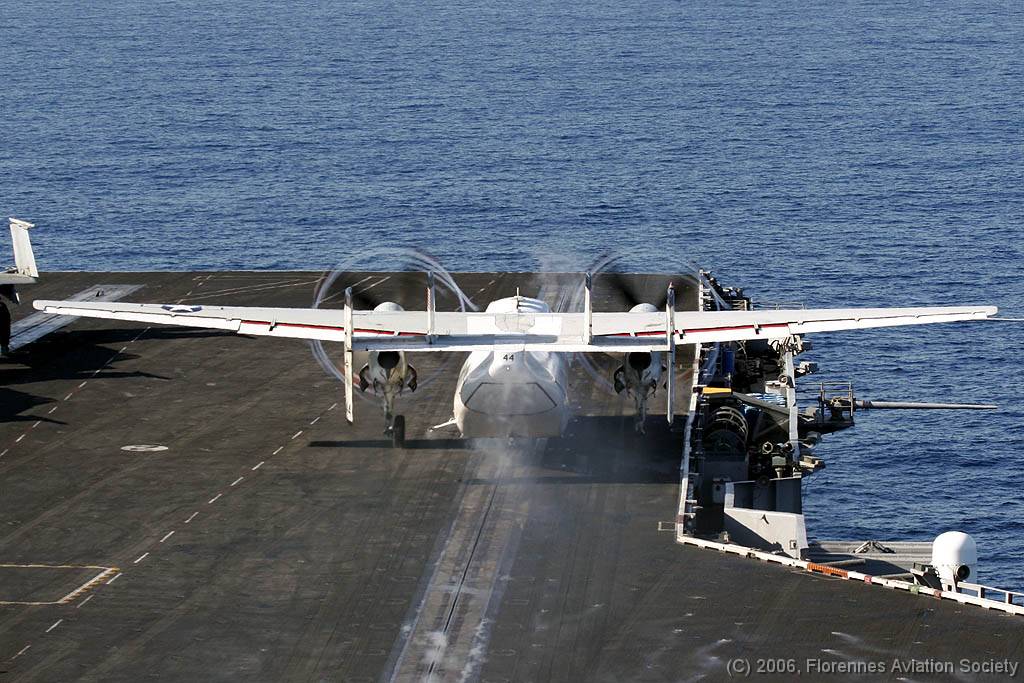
833, 154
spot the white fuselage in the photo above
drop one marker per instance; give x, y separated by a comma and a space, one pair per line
513, 394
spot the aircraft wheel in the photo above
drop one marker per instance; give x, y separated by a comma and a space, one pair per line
398, 432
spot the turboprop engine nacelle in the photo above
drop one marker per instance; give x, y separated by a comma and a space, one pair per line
640, 374
388, 374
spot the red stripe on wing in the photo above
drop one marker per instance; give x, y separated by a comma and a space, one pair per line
333, 328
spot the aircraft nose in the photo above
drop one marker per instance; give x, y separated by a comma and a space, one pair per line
507, 366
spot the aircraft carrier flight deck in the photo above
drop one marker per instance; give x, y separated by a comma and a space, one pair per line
181, 504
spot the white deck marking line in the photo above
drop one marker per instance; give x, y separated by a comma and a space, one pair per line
87, 599
258, 465
88, 585
22, 651
19, 438
52, 409
333, 406
37, 424
55, 625
214, 499
168, 535
123, 349
379, 282
296, 435
257, 287
116, 577
68, 397
238, 481
315, 420
5, 452
141, 558
193, 516
353, 286
83, 384
279, 449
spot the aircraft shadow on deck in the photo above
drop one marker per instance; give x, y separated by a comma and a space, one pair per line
68, 355
14, 403
72, 356
595, 450
384, 443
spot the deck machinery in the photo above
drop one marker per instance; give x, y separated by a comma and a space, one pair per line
749, 446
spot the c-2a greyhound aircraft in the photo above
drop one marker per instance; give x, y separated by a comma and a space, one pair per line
514, 382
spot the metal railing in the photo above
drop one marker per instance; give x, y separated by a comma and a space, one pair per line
986, 592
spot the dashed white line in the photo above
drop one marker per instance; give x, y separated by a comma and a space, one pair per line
83, 384
53, 409
140, 558
37, 424
87, 599
19, 438
214, 499
5, 452
236, 482
123, 349
279, 449
166, 536
116, 577
315, 420
55, 625
258, 465
296, 435
68, 397
333, 406
191, 517
22, 651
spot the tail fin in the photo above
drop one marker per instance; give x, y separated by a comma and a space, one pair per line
24, 259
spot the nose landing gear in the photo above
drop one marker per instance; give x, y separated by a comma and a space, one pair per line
397, 431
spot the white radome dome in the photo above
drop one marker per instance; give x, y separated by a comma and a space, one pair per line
955, 557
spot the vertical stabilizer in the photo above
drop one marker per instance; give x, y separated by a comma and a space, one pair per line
24, 259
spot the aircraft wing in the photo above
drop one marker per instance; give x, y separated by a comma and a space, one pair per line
298, 323
567, 332
719, 326
387, 330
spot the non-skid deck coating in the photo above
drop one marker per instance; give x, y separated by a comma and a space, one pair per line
271, 541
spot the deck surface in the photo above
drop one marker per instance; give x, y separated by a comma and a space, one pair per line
271, 541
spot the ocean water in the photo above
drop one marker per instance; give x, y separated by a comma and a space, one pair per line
862, 153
